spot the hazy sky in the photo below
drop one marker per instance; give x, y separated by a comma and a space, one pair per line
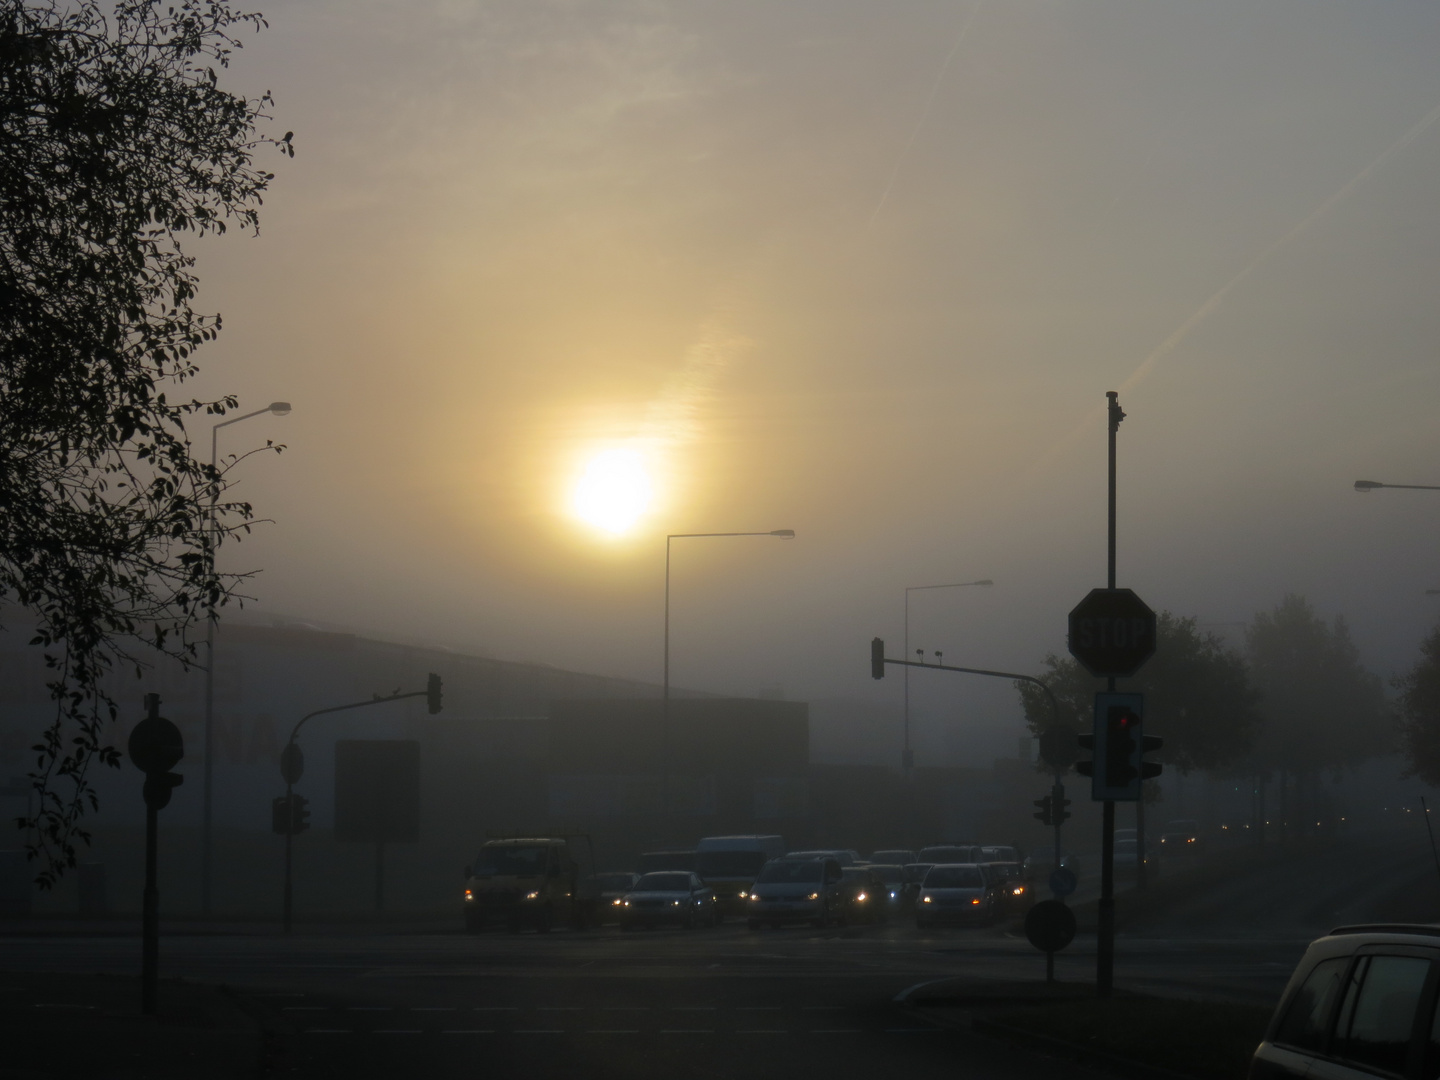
863, 270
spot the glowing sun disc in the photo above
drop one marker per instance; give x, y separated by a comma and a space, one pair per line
613, 490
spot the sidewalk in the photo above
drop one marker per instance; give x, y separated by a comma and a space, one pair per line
58, 1027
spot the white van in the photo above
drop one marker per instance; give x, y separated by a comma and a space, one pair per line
729, 864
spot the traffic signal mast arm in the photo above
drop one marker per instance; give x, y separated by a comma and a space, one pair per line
878, 660
431, 693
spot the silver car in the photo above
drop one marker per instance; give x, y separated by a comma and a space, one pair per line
796, 890
668, 896
956, 893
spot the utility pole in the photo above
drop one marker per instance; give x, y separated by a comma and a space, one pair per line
1105, 945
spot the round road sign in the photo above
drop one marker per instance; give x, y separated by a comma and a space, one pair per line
1062, 881
1050, 926
1112, 632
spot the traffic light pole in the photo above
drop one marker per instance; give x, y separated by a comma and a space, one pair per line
289, 843
1105, 938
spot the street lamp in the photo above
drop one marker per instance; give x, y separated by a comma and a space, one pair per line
275, 408
784, 534
907, 757
1371, 485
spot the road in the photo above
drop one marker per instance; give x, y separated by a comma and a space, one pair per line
714, 1002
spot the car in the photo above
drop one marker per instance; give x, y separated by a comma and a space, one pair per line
528, 882
863, 894
893, 897
891, 857
956, 893
796, 890
1360, 1002
610, 888
1181, 837
914, 874
1016, 894
844, 856
668, 896
951, 853
728, 864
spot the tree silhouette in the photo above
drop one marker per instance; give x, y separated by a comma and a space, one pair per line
1420, 712
116, 140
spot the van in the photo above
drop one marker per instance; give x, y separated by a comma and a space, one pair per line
530, 882
730, 864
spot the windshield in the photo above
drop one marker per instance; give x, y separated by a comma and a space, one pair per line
780, 872
665, 882
721, 864
511, 862
613, 882
954, 877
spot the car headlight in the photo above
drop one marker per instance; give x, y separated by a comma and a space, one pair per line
1018, 890
469, 895
813, 896
892, 896
859, 897
975, 901
743, 894
925, 899
532, 896
617, 903
625, 902
754, 896
674, 903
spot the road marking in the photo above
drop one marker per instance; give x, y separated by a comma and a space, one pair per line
760, 1008
303, 1008
539, 1031
627, 1008
398, 1031
432, 1008
468, 1031
908, 1031
693, 1008
558, 1008
328, 1031
369, 1008
687, 1031
497, 1008
837, 1031
823, 1008
613, 1031
761, 1031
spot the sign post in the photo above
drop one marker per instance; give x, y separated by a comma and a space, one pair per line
155, 747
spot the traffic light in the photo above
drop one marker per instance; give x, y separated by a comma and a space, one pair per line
432, 693
280, 815
877, 659
1122, 748
1148, 745
1044, 816
1059, 804
299, 814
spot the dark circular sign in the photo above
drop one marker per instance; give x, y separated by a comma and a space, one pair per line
155, 745
1112, 632
1058, 748
292, 763
1062, 881
1050, 926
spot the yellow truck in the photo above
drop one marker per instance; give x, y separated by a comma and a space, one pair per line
533, 883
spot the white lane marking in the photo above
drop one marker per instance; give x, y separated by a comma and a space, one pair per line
538, 1031
557, 1008
761, 1031
613, 1031
627, 1008
687, 1031
909, 1031
468, 1031
693, 1008
369, 1008
823, 1008
759, 1008
398, 1031
432, 1008
837, 1031
302, 1008
328, 1031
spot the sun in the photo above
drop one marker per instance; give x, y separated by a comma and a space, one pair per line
613, 490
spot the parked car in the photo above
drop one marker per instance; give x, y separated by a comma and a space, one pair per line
1360, 1002
892, 857
956, 893
610, 888
795, 890
668, 896
863, 895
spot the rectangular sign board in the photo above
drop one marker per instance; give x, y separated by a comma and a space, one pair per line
377, 791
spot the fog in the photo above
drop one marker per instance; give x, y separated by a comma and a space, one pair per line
860, 270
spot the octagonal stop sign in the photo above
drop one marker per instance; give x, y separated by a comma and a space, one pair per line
1112, 632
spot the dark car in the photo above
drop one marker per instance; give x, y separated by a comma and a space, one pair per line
792, 890
1180, 838
863, 895
1361, 1002
893, 898
1015, 893
610, 889
957, 894
668, 896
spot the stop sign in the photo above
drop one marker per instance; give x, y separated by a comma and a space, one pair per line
1112, 632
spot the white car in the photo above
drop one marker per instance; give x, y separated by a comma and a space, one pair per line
668, 896
956, 893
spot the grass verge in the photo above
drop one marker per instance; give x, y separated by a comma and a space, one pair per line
1204, 1039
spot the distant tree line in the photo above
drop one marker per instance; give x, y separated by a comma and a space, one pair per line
1293, 704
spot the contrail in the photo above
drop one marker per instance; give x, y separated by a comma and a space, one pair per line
925, 112
1208, 308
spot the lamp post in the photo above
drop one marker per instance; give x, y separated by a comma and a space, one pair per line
276, 408
784, 534
1371, 485
907, 757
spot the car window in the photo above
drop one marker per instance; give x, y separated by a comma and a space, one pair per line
1377, 1016
1304, 1023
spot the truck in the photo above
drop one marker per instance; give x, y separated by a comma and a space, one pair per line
535, 883
730, 864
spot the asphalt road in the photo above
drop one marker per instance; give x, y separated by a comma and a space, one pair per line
664, 1003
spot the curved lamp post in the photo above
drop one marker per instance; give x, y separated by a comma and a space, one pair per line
275, 408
